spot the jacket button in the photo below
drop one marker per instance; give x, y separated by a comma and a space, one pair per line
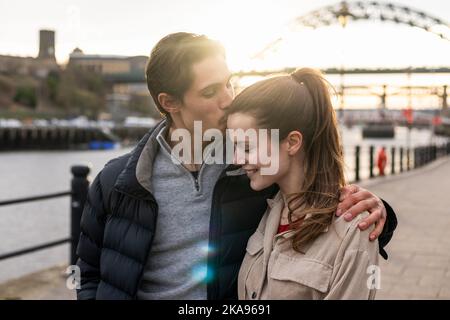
254, 295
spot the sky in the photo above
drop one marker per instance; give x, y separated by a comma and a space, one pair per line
245, 27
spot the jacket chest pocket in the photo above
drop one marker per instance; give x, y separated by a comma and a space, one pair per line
293, 278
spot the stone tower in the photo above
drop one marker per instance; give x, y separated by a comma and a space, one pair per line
46, 44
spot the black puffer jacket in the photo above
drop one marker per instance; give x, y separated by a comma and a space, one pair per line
119, 219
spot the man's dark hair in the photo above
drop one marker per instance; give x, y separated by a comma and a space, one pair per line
169, 66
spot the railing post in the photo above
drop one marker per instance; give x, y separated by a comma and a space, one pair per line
357, 151
423, 155
401, 159
416, 157
408, 164
427, 154
371, 150
80, 186
393, 160
430, 154
420, 156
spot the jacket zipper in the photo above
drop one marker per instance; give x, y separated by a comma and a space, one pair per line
196, 179
197, 187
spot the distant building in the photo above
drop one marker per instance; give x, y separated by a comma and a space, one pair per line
125, 75
46, 44
16, 65
39, 66
111, 67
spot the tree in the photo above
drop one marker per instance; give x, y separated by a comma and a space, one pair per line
26, 95
78, 91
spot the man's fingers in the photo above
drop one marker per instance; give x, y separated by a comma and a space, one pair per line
344, 192
347, 190
351, 200
344, 205
373, 217
358, 208
378, 229
354, 201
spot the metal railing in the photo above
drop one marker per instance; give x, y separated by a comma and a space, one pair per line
78, 194
401, 159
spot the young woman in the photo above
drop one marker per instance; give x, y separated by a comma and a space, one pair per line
300, 250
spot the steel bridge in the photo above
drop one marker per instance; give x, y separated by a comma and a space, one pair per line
343, 12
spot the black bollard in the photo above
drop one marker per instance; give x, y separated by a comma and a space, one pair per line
80, 186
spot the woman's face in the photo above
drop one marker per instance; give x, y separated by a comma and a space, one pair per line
259, 154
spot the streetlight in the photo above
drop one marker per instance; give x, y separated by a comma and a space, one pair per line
342, 17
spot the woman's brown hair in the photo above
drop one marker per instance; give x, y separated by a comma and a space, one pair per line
301, 101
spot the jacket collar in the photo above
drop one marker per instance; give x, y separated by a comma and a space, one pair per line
135, 178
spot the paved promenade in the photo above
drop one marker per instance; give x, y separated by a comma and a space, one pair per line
49, 284
419, 253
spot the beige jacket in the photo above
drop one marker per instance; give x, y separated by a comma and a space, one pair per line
340, 264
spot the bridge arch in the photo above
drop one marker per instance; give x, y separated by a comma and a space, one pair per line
343, 12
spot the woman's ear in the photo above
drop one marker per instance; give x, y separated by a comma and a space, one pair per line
168, 102
294, 141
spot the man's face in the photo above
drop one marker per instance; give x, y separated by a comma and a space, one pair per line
210, 93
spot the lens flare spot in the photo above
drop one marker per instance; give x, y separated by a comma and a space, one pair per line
201, 273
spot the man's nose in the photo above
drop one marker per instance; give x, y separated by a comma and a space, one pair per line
227, 98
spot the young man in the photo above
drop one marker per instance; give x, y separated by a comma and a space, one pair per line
156, 228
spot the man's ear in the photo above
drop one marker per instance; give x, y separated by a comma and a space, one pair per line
169, 103
294, 142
